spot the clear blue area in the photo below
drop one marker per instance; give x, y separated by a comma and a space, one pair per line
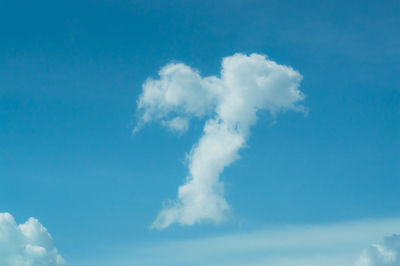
70, 74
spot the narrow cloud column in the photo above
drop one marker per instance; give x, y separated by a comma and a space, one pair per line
201, 198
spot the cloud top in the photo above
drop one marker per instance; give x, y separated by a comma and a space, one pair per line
231, 103
27, 244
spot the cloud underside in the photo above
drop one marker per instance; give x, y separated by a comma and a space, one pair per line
27, 244
230, 103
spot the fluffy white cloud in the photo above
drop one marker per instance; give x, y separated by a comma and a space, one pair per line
27, 244
180, 90
231, 102
386, 254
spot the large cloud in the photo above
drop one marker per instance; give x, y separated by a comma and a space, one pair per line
231, 102
27, 244
386, 254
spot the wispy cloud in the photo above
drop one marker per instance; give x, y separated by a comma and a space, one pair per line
311, 245
385, 254
27, 244
231, 102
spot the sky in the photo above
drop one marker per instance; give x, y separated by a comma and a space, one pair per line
155, 132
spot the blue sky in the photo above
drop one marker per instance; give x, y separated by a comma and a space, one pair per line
71, 73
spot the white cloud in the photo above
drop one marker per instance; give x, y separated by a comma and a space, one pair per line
386, 254
180, 89
27, 244
231, 102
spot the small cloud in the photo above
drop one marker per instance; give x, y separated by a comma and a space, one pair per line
386, 254
27, 244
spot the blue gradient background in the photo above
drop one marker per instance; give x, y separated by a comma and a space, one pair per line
70, 74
